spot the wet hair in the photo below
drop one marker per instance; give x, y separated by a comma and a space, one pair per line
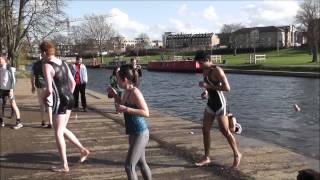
205, 58
201, 55
47, 47
127, 71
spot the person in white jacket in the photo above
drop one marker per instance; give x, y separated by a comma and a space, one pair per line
7, 83
79, 72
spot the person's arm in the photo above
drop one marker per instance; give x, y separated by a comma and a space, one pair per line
32, 80
114, 94
85, 74
13, 81
72, 82
140, 102
220, 75
48, 73
204, 94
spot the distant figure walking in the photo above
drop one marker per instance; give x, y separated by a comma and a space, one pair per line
114, 84
38, 83
134, 108
80, 75
113, 81
137, 67
60, 85
215, 82
7, 84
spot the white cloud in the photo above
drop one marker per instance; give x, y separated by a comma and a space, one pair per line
131, 28
125, 25
269, 13
179, 26
209, 13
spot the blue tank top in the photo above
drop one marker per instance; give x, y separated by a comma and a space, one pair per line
134, 124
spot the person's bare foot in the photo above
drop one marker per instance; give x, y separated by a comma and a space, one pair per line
203, 162
84, 155
60, 169
236, 161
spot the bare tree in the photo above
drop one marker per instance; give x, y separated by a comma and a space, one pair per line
2, 24
227, 32
230, 28
98, 28
309, 18
143, 41
27, 20
79, 40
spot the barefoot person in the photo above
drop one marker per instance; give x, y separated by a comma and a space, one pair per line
215, 82
134, 108
60, 85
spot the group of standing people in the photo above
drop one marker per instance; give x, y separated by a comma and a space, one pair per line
79, 73
134, 108
58, 90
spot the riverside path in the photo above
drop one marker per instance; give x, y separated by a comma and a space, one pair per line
29, 153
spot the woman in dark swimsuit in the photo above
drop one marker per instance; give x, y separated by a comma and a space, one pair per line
60, 85
215, 81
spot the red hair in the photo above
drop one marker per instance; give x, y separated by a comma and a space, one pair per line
47, 47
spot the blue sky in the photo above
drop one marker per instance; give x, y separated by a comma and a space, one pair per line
130, 18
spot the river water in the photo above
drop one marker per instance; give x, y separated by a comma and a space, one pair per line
262, 104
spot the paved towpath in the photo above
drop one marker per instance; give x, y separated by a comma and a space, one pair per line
28, 153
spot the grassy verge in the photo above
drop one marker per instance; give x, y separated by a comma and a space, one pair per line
292, 59
294, 68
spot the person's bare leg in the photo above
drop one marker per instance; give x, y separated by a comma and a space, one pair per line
232, 126
49, 114
206, 127
74, 140
224, 128
41, 106
59, 127
42, 112
15, 108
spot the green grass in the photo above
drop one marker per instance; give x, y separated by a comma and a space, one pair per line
286, 59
